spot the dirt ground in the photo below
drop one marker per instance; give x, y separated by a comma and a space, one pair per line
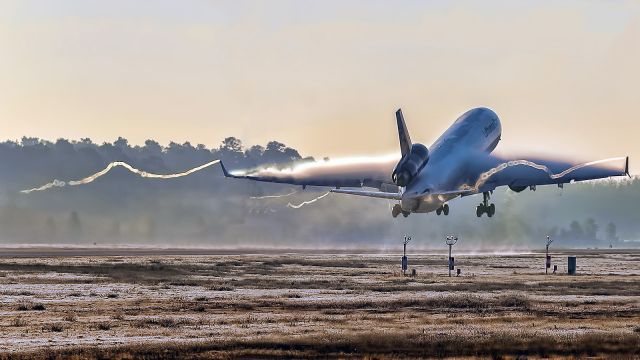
81, 303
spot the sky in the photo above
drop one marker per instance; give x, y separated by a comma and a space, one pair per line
324, 77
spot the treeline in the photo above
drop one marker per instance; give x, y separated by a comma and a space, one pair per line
206, 209
121, 207
34, 160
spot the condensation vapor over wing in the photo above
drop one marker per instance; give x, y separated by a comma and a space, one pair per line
341, 171
616, 165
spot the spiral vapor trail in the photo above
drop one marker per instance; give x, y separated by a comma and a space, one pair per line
485, 176
308, 201
141, 173
273, 196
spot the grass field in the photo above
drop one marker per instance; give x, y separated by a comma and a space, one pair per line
166, 304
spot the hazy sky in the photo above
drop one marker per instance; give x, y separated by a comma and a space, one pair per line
322, 76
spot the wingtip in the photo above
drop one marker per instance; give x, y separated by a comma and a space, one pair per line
224, 169
626, 167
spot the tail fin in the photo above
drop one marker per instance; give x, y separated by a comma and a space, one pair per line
403, 133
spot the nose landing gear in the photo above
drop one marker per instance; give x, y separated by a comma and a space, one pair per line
484, 207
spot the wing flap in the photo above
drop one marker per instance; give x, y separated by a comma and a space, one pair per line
373, 194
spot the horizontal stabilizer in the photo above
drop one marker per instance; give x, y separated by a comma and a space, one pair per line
453, 192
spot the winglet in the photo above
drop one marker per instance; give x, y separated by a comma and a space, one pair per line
626, 167
237, 175
224, 170
403, 134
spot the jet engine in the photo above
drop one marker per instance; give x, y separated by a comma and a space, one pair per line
410, 165
517, 188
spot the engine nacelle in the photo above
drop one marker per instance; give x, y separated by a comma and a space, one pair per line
517, 188
409, 166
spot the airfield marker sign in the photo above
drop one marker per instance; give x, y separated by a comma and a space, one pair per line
450, 241
548, 258
405, 260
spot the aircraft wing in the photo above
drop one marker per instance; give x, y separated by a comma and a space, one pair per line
490, 171
349, 172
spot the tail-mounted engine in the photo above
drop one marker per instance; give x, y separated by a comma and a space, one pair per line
410, 165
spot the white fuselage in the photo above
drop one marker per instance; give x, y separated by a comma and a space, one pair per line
477, 130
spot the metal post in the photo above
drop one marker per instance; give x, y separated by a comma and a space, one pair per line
404, 256
547, 262
405, 261
450, 245
451, 240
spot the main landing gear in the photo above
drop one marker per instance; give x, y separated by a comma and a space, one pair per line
484, 207
397, 210
444, 209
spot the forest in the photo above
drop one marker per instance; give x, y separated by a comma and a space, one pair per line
207, 209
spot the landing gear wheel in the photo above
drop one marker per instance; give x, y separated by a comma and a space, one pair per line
396, 210
405, 213
445, 209
484, 207
439, 211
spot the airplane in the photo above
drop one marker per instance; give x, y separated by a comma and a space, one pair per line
459, 163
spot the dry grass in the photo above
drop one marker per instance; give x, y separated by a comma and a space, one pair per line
103, 326
165, 322
319, 306
19, 322
70, 317
27, 306
56, 327
370, 344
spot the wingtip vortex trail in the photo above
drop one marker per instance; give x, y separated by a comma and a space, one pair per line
290, 205
108, 168
274, 196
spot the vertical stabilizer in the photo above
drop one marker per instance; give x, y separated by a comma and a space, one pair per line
403, 134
